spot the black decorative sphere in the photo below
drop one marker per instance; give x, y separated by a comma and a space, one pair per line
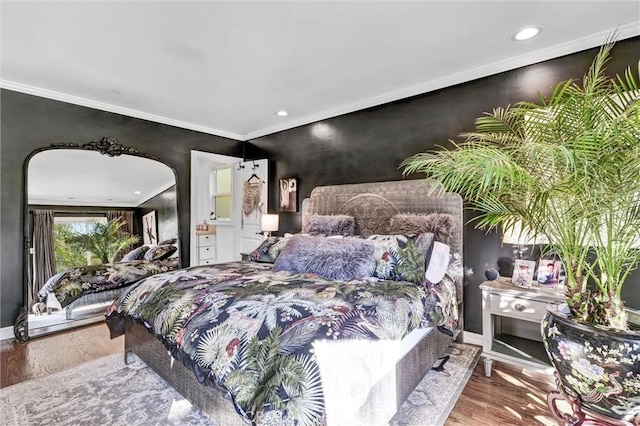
491, 274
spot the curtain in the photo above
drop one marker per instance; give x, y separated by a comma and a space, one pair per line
44, 260
124, 215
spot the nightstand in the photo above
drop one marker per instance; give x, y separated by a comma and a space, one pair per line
500, 300
206, 246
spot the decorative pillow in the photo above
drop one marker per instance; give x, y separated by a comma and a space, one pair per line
339, 259
169, 241
160, 252
401, 257
269, 250
326, 225
439, 224
135, 254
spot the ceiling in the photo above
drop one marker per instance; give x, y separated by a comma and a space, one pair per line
74, 177
225, 67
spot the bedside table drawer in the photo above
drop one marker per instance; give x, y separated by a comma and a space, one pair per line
515, 307
206, 240
206, 253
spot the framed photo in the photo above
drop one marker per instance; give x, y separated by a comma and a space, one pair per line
289, 195
549, 273
523, 273
150, 228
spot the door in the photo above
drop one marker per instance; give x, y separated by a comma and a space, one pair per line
251, 188
236, 229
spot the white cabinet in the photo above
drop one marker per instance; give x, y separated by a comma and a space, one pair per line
206, 249
501, 300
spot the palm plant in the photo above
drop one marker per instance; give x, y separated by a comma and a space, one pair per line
566, 168
106, 240
69, 253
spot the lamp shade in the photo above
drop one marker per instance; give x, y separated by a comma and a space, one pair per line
517, 235
269, 222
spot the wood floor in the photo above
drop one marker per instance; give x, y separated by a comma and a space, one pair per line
57, 352
509, 397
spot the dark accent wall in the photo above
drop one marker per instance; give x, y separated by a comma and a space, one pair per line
164, 205
369, 145
364, 146
29, 122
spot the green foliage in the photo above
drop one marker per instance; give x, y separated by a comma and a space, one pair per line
411, 267
106, 240
264, 369
567, 168
69, 253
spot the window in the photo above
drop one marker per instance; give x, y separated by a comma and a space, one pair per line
221, 193
70, 252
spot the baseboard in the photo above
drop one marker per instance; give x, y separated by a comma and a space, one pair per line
6, 333
472, 338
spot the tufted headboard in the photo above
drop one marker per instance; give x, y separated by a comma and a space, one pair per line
374, 204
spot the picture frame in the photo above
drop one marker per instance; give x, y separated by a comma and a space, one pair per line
549, 273
523, 273
289, 195
150, 228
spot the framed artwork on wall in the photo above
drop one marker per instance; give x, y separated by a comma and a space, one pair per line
523, 273
150, 228
289, 195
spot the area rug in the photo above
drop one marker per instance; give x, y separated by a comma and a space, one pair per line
107, 392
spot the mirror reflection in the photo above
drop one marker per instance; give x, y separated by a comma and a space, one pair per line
96, 225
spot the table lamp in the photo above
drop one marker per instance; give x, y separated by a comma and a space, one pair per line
269, 224
521, 237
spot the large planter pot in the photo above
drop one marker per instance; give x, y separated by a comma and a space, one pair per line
597, 370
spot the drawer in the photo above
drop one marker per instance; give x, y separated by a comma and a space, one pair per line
206, 261
516, 307
206, 252
206, 240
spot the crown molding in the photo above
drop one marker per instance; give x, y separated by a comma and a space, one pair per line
573, 46
76, 100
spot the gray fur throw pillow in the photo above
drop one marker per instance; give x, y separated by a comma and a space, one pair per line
326, 225
339, 259
439, 224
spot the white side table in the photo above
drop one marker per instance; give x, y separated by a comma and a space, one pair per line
501, 299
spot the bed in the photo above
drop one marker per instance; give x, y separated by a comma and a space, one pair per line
351, 357
102, 283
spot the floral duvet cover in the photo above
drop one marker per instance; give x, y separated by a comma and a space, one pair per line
249, 331
70, 285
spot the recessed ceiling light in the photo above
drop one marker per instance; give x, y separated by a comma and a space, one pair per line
282, 113
137, 192
526, 33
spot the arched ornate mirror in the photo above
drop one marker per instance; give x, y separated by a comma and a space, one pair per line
98, 218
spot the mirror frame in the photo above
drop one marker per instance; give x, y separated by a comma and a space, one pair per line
108, 146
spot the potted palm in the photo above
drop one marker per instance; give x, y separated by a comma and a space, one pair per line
567, 168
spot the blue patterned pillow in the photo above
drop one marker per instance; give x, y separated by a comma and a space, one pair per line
160, 252
269, 250
339, 259
135, 254
401, 257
